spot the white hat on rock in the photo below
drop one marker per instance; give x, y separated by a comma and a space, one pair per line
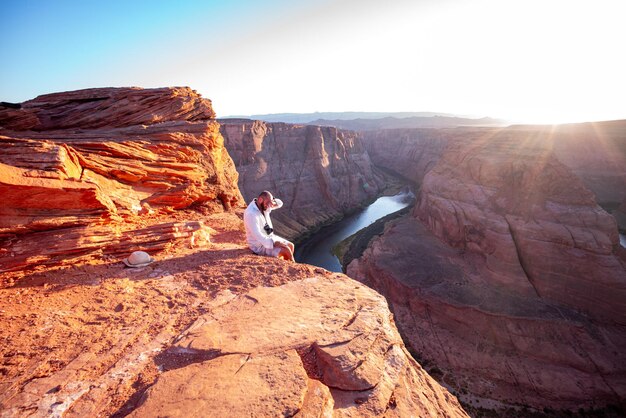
138, 259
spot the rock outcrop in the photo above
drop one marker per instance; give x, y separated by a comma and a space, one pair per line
210, 328
79, 164
107, 107
314, 355
320, 173
509, 278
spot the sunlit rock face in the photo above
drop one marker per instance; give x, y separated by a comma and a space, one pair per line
297, 350
320, 173
594, 152
508, 276
107, 107
81, 164
537, 225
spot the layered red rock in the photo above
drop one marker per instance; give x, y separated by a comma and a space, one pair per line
91, 160
107, 107
509, 277
594, 152
492, 346
320, 173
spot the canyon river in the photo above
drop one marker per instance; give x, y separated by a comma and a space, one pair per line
317, 250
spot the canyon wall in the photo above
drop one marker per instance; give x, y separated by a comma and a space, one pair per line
595, 152
410, 153
76, 165
320, 173
508, 277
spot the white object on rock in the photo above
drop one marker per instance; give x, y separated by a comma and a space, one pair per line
138, 259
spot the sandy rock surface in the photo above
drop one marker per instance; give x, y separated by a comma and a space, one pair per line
348, 344
89, 339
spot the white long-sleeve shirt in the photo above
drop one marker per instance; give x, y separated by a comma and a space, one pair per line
254, 222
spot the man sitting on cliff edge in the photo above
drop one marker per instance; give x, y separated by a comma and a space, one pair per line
259, 229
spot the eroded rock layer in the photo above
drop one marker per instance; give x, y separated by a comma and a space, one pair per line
508, 276
410, 153
320, 173
81, 163
107, 107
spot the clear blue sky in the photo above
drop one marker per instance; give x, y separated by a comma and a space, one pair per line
55, 45
533, 60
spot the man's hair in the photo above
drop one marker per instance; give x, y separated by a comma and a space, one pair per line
265, 194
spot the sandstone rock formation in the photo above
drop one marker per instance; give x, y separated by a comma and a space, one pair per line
211, 328
320, 173
538, 227
595, 152
76, 166
508, 277
314, 355
487, 343
107, 107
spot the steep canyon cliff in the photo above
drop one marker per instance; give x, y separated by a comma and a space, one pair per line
508, 275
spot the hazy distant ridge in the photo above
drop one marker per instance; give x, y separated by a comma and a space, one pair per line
367, 121
408, 123
310, 117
